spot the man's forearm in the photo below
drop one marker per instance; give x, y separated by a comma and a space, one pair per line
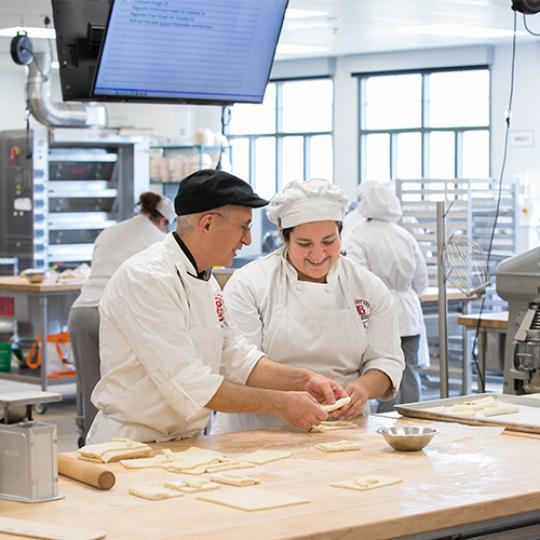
237, 398
275, 376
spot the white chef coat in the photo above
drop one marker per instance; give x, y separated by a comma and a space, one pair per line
339, 329
350, 221
112, 247
393, 254
165, 347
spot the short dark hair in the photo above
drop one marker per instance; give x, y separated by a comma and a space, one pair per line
287, 232
149, 201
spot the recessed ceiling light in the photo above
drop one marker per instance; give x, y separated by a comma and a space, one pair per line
33, 32
478, 32
293, 13
299, 49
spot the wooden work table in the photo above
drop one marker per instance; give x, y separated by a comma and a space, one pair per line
494, 321
465, 476
21, 284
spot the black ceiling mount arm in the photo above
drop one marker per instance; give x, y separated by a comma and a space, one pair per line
528, 7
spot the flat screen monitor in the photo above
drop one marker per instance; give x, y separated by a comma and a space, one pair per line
80, 27
189, 51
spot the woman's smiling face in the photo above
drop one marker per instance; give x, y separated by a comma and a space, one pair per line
313, 249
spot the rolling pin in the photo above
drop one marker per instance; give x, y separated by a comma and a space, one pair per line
91, 474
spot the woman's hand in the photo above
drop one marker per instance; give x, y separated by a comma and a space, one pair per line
359, 396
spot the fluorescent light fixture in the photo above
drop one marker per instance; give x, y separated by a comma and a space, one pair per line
33, 32
450, 30
299, 49
293, 13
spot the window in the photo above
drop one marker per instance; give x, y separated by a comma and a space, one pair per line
287, 137
425, 124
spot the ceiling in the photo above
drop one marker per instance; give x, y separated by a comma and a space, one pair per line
340, 27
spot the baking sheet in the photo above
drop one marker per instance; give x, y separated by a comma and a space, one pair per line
526, 420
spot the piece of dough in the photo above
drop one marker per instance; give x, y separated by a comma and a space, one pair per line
368, 481
191, 485
489, 401
329, 407
338, 446
115, 450
162, 460
332, 426
232, 479
251, 499
260, 457
225, 464
153, 493
500, 410
465, 412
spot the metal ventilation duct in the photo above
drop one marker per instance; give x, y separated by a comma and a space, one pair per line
38, 96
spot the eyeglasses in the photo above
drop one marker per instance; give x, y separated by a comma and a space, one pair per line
246, 229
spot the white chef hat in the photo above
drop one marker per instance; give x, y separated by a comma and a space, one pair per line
379, 201
166, 208
303, 202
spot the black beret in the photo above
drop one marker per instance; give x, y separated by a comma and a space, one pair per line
209, 189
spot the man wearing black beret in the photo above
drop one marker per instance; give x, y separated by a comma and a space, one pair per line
168, 353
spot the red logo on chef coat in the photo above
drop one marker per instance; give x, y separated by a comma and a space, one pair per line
220, 309
363, 309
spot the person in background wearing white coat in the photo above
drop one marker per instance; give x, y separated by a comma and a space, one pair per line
111, 248
392, 253
169, 355
306, 305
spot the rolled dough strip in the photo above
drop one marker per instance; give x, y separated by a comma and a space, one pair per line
232, 479
338, 446
461, 412
500, 410
332, 426
329, 407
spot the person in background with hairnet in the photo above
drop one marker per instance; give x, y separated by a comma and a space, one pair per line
111, 248
392, 253
306, 305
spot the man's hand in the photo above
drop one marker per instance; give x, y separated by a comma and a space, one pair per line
299, 409
324, 390
359, 396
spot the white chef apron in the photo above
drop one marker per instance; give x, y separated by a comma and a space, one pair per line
207, 337
323, 338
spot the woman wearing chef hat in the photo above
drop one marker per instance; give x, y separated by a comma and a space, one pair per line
392, 253
306, 305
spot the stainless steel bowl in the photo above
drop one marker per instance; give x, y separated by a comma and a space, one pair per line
408, 438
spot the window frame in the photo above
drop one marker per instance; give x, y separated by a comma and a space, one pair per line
423, 130
279, 135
